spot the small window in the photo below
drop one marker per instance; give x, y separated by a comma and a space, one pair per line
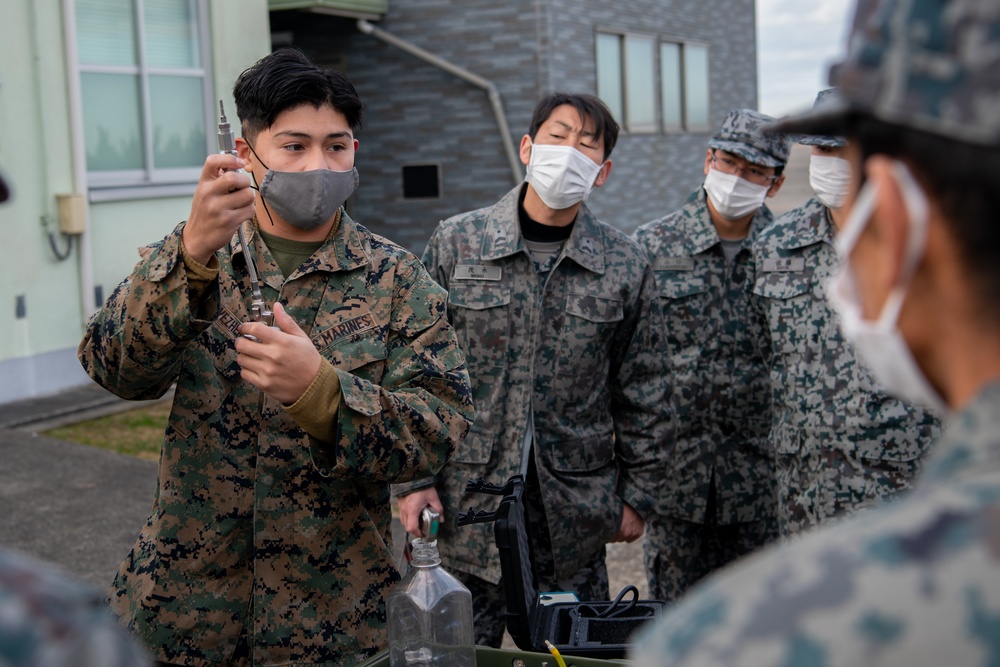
671, 87
609, 73
626, 79
145, 87
422, 181
684, 87
696, 87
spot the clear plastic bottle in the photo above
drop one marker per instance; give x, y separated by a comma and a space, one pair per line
430, 615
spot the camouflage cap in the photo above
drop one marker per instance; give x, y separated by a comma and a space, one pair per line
932, 65
825, 98
743, 134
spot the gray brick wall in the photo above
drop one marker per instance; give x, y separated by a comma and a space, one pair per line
419, 114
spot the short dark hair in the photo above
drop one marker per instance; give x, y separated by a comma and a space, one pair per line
286, 79
962, 178
587, 106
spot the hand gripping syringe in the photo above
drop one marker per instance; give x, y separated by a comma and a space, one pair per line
258, 309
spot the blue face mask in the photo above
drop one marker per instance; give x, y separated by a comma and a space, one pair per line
306, 199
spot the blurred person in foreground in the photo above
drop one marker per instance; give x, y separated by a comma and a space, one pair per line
915, 582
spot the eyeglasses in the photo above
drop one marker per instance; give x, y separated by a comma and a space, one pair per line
750, 172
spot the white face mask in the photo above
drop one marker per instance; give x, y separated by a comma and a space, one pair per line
562, 176
879, 343
732, 196
830, 178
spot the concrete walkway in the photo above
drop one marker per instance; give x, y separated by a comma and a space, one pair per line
81, 508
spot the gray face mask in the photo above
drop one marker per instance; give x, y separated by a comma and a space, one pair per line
306, 199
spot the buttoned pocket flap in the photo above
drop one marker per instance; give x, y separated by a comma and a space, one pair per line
478, 295
680, 288
595, 308
578, 456
782, 285
476, 447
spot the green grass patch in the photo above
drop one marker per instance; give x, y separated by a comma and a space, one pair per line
137, 432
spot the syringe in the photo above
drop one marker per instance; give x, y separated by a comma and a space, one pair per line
258, 309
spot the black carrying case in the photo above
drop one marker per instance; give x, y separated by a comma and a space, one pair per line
586, 629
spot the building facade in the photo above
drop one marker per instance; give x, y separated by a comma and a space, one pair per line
107, 108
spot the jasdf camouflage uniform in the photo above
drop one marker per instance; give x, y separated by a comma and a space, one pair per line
716, 493
841, 443
48, 619
256, 526
917, 581
720, 397
913, 583
580, 352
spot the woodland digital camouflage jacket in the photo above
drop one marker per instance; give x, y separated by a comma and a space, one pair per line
720, 386
840, 441
255, 523
584, 352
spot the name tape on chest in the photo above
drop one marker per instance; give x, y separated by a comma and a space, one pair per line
352, 327
784, 265
476, 272
674, 264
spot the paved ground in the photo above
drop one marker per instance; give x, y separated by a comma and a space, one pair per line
81, 508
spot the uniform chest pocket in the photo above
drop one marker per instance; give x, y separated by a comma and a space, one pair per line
794, 309
354, 343
479, 312
584, 337
684, 301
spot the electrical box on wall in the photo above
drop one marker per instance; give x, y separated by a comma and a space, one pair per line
72, 213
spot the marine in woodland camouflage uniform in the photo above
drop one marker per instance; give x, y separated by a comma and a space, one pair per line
716, 493
269, 540
569, 346
917, 581
48, 619
841, 442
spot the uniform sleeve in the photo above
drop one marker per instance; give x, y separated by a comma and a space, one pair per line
644, 420
133, 345
406, 426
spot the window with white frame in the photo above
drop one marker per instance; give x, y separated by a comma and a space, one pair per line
145, 90
626, 78
627, 82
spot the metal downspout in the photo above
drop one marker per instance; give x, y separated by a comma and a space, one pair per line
478, 81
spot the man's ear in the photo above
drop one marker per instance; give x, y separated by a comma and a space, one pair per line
243, 149
778, 182
603, 174
890, 225
708, 160
525, 150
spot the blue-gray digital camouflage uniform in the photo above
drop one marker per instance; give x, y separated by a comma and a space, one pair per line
841, 443
48, 619
579, 354
716, 494
256, 526
917, 581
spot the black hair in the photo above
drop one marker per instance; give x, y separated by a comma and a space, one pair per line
286, 79
962, 178
587, 106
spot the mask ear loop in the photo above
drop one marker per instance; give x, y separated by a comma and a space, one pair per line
255, 186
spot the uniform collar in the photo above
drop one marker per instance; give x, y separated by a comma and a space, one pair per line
502, 235
812, 225
343, 250
700, 233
